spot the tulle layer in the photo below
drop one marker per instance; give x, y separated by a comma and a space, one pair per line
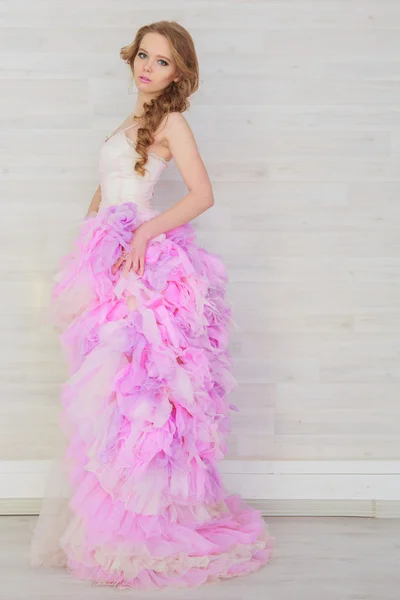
146, 413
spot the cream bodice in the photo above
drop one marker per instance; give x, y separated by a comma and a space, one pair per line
119, 181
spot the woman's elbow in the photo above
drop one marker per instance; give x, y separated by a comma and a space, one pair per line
210, 201
206, 198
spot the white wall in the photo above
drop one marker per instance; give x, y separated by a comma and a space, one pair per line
298, 122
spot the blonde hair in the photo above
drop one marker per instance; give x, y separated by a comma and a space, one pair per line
174, 98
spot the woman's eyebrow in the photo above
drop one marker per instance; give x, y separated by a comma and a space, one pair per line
160, 55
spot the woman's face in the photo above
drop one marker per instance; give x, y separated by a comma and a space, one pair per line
154, 62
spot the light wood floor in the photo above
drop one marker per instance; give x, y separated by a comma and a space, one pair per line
315, 558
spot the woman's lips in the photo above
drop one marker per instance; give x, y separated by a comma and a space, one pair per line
144, 79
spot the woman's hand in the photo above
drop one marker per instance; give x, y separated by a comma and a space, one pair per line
135, 257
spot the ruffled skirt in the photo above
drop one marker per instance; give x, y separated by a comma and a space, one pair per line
135, 498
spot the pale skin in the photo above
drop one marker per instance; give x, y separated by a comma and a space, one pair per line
173, 139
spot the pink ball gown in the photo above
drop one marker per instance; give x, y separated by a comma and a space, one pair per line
145, 410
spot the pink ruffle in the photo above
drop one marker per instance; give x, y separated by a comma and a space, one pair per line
146, 412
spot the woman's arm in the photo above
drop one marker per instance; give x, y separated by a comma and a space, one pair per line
200, 197
95, 203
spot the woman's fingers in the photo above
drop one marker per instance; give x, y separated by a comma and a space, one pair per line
117, 265
134, 262
127, 266
141, 267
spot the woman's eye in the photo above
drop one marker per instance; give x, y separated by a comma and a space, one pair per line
144, 54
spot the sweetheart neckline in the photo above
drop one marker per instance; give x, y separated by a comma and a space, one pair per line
133, 146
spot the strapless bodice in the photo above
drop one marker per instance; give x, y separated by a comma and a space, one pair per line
119, 181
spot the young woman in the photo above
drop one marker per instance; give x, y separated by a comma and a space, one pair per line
144, 325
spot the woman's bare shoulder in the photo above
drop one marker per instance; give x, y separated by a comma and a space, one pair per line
176, 125
175, 118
